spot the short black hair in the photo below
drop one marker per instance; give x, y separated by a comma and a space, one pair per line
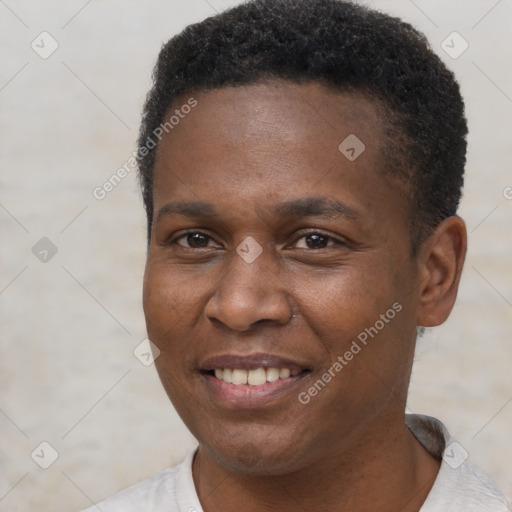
347, 47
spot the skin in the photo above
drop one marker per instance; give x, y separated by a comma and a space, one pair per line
245, 150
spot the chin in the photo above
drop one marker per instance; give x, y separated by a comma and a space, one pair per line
264, 456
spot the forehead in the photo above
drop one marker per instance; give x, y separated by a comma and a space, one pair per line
281, 116
279, 103
258, 106
276, 141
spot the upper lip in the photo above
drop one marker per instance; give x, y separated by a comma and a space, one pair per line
250, 362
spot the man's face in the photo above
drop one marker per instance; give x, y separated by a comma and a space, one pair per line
258, 168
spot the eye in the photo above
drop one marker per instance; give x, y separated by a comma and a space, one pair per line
194, 240
317, 240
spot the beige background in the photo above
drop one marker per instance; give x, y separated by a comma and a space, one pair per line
68, 375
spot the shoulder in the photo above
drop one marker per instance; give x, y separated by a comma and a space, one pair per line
459, 486
160, 492
137, 496
464, 488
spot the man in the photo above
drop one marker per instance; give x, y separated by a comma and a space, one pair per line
301, 166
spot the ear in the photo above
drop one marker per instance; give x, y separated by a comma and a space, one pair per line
441, 260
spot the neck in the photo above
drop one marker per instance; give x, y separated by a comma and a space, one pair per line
380, 466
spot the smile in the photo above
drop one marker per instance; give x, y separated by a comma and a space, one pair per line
257, 377
252, 380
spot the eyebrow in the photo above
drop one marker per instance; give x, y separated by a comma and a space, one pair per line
192, 209
316, 207
304, 207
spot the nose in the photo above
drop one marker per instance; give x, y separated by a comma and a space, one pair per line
247, 294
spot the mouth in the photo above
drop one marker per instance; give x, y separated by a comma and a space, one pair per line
248, 381
257, 377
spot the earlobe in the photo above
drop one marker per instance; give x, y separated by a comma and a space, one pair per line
441, 260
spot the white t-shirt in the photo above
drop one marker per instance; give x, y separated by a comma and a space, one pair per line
459, 486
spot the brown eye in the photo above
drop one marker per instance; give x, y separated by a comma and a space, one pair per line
316, 241
194, 240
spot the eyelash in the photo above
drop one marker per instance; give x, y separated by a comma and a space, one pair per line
324, 235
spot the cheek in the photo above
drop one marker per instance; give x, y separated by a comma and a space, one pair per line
174, 301
159, 304
164, 313
358, 321
358, 314
169, 295
165, 306
347, 300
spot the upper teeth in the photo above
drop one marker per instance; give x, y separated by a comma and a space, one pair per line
253, 377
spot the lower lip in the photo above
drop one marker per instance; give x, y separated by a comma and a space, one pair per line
246, 396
